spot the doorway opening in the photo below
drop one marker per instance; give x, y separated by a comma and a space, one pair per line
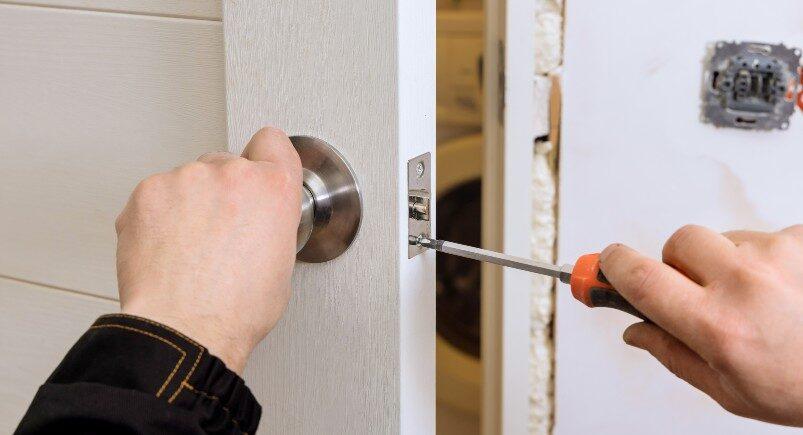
460, 142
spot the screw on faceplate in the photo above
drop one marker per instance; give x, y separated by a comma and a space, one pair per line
419, 169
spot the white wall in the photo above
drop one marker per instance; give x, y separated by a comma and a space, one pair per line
635, 164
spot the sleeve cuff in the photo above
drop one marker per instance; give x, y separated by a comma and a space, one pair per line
135, 353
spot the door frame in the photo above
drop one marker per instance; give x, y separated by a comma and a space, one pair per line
509, 130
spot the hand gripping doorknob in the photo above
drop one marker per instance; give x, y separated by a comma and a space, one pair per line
331, 205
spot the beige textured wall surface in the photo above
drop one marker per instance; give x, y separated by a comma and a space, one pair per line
548, 48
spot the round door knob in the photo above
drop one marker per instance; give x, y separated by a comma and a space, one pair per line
331, 205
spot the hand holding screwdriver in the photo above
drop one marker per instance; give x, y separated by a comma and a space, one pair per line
726, 311
587, 281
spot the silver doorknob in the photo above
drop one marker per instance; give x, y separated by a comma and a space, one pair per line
331, 205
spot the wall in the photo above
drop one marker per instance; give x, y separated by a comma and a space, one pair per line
548, 58
96, 94
635, 164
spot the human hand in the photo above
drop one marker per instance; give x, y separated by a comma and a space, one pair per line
208, 248
728, 313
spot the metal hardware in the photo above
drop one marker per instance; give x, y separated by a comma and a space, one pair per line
419, 202
751, 85
331, 205
564, 273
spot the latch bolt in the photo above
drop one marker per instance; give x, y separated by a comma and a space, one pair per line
418, 203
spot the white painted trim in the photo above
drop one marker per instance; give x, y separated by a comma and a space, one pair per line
416, 136
509, 148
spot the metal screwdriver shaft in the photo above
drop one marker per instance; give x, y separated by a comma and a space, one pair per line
563, 273
587, 281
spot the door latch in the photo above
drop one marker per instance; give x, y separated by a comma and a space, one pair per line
418, 205
419, 202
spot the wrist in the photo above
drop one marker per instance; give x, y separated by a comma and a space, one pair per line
209, 333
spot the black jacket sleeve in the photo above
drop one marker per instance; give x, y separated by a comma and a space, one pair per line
129, 375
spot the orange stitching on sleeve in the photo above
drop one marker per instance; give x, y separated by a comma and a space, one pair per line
162, 339
197, 359
129, 316
213, 397
186, 378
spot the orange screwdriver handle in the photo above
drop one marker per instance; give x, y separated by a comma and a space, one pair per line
590, 287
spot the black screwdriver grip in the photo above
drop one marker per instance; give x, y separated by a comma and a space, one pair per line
610, 298
591, 287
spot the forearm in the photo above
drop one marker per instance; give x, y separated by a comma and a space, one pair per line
132, 375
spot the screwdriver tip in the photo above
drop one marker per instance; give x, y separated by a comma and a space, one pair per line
422, 240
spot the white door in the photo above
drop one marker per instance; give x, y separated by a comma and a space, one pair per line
355, 350
98, 94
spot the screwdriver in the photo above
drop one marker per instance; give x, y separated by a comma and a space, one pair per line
587, 281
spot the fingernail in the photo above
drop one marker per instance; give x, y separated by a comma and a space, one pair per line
629, 336
607, 251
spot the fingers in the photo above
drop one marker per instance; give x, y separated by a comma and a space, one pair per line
794, 230
660, 292
698, 252
741, 237
218, 157
272, 145
682, 362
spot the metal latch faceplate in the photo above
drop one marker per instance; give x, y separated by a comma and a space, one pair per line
419, 201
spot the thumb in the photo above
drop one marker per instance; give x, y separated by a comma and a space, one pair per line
272, 145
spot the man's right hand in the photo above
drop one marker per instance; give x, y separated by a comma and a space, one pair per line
728, 313
208, 248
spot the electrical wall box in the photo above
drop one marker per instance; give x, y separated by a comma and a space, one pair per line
751, 85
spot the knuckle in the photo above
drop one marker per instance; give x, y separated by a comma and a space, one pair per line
681, 238
795, 230
744, 277
269, 135
238, 170
641, 279
270, 132
211, 155
147, 189
193, 171
784, 243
